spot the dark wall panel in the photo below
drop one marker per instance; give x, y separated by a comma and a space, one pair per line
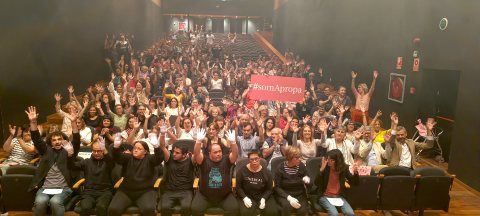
365, 35
48, 45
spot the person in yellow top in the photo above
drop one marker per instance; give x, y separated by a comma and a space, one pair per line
376, 124
179, 95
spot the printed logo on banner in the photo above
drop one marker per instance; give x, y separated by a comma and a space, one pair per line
277, 88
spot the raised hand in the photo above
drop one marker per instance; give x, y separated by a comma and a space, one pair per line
32, 113
136, 124
323, 165
306, 119
358, 134
117, 141
85, 103
101, 141
394, 118
12, 129
57, 97
201, 134
379, 113
148, 114
70, 89
105, 100
323, 125
231, 136
68, 147
354, 75
153, 138
375, 74
163, 129
98, 105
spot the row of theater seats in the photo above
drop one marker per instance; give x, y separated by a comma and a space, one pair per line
395, 188
244, 47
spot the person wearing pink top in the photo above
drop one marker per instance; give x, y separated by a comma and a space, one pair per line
362, 96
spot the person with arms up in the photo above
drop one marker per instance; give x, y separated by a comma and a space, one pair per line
215, 187
53, 178
331, 183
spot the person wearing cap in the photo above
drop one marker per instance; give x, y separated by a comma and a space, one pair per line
138, 177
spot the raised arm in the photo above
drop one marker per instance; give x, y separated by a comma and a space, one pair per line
197, 150
372, 87
354, 89
58, 98
166, 153
8, 145
39, 144
231, 138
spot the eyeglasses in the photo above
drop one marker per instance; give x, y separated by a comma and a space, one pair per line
254, 159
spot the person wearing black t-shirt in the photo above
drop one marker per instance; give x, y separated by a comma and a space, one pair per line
215, 187
138, 177
290, 180
255, 187
98, 185
179, 176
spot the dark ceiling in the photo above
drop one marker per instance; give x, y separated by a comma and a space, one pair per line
262, 8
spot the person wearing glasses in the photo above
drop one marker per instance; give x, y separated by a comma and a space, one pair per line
98, 185
290, 181
255, 187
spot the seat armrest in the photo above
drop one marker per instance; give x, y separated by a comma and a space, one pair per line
195, 183
118, 183
78, 183
157, 183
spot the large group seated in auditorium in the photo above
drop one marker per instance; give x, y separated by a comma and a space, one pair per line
177, 131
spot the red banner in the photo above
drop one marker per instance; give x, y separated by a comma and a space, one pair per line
277, 88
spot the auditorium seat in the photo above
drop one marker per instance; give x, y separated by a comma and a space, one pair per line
397, 189
364, 196
313, 168
14, 190
432, 189
275, 162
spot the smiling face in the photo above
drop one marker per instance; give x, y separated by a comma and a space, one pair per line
57, 141
339, 134
307, 133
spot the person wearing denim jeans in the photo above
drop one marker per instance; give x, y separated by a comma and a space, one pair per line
54, 169
331, 182
56, 202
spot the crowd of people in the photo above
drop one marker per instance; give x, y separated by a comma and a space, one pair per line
159, 96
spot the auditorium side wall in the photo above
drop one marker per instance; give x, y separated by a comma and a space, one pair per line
48, 45
371, 34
